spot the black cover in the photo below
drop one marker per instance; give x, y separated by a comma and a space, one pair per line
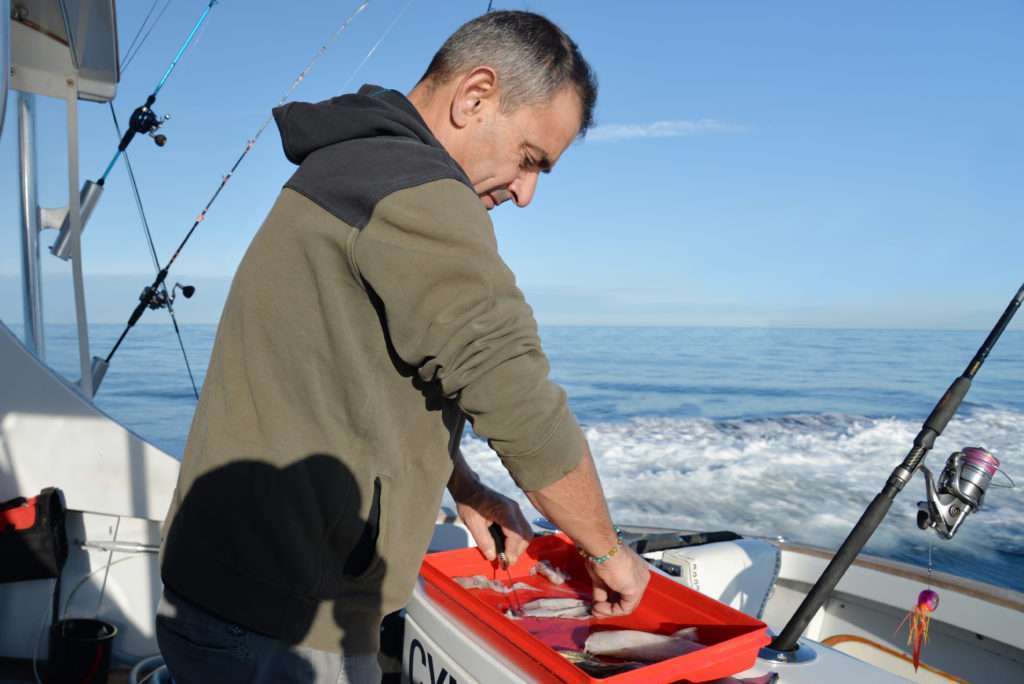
38, 552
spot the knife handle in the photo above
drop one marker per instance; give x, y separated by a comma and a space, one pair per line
498, 535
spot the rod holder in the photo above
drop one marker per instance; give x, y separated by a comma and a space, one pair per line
88, 197
99, 370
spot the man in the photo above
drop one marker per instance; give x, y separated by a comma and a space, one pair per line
371, 312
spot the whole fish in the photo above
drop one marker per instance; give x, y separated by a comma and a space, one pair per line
646, 647
595, 667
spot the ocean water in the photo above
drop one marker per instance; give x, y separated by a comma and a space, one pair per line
772, 432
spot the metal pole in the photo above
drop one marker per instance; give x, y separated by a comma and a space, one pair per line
75, 222
31, 280
5, 58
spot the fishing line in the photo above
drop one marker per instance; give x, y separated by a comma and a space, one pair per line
198, 40
166, 297
181, 50
151, 292
376, 45
1010, 483
931, 547
143, 119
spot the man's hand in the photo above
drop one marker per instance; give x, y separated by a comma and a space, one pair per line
577, 505
619, 583
479, 507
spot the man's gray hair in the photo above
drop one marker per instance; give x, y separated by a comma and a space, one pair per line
534, 60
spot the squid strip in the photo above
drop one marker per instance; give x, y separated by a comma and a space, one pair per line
647, 647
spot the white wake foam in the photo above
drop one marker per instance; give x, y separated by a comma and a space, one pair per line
805, 478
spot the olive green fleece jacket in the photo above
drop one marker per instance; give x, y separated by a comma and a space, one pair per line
370, 309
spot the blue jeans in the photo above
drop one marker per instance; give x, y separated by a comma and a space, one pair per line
199, 648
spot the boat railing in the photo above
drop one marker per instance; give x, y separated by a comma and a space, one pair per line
5, 58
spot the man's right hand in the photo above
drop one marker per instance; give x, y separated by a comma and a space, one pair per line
577, 505
619, 583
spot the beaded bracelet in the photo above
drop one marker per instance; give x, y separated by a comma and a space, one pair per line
600, 560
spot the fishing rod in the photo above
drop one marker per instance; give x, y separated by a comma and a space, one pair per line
154, 295
982, 465
164, 296
144, 120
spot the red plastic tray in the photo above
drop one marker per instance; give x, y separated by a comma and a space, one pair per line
731, 638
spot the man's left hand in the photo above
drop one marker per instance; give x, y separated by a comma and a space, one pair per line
482, 506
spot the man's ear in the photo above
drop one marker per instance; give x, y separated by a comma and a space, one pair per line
476, 92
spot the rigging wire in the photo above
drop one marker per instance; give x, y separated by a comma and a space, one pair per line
130, 57
152, 249
181, 345
135, 191
143, 120
150, 293
138, 33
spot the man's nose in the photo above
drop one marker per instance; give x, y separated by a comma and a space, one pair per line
523, 187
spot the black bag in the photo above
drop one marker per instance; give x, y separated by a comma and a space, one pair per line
33, 540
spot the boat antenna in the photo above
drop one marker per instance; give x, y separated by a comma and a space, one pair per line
151, 294
144, 119
933, 426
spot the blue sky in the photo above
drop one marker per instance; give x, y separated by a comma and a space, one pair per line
755, 164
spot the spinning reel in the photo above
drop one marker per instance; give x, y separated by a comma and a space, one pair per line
161, 298
958, 491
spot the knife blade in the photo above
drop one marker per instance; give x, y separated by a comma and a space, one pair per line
498, 535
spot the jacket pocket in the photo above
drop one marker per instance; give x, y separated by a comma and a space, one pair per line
365, 556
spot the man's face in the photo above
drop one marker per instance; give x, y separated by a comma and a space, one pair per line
507, 152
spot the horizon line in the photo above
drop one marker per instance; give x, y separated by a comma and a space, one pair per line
686, 326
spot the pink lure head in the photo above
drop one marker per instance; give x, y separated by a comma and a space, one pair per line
928, 600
